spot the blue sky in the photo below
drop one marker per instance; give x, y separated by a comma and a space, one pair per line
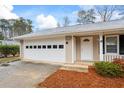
57, 11
45, 16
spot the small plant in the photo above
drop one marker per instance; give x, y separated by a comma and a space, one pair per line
109, 69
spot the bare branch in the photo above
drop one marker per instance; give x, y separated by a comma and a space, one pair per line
106, 12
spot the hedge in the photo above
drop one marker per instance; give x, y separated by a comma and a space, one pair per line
109, 69
9, 50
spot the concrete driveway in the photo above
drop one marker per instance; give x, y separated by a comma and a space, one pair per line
24, 74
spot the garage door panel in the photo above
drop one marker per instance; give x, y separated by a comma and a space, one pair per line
56, 55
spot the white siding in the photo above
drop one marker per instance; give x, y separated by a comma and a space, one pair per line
53, 55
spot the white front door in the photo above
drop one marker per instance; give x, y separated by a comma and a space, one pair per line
87, 48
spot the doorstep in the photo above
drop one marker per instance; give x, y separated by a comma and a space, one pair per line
75, 67
81, 62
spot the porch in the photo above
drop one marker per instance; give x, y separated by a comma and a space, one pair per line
93, 48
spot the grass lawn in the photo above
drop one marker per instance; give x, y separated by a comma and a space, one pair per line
9, 59
72, 79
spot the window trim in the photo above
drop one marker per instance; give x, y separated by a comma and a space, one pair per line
30, 46
44, 47
49, 47
27, 47
54, 47
117, 36
38, 47
34, 46
60, 47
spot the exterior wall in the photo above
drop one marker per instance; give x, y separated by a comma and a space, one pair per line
74, 49
68, 49
96, 48
52, 55
71, 51
22, 49
78, 49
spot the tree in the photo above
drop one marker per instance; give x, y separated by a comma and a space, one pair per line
66, 21
29, 26
22, 26
4, 25
105, 12
11, 28
15, 27
91, 16
85, 17
1, 36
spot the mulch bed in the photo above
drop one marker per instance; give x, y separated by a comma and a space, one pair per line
72, 79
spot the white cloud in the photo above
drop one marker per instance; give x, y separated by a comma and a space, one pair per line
116, 15
45, 22
6, 11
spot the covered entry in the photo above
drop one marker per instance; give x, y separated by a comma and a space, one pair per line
87, 48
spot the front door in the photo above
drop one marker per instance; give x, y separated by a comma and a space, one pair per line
87, 48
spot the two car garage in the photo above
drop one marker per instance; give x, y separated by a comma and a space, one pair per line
51, 49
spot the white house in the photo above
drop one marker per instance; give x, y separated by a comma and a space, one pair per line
101, 41
9, 42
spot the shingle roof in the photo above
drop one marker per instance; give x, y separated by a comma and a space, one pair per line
100, 26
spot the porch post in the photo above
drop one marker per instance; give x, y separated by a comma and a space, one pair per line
101, 46
72, 49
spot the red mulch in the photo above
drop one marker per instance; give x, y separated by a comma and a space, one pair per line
72, 79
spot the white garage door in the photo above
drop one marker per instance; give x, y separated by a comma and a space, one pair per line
52, 49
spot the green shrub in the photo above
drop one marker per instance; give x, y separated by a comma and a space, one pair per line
5, 50
9, 50
14, 49
109, 69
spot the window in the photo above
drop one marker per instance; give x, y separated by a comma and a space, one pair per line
30, 47
44, 46
27, 47
35, 46
61, 46
55, 46
39, 46
48, 46
112, 44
